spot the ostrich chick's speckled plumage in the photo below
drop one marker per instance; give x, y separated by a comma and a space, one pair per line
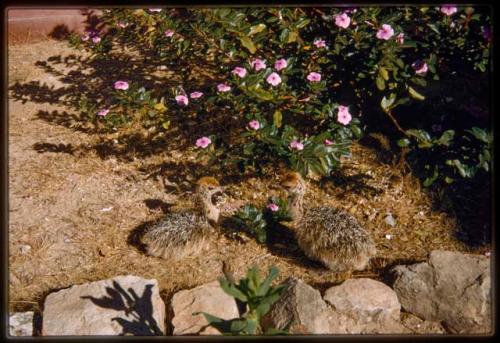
326, 234
186, 233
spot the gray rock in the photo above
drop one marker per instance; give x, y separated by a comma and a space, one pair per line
364, 306
416, 325
451, 288
124, 305
302, 307
21, 323
209, 298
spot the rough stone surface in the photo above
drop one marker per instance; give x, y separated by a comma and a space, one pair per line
363, 306
302, 307
124, 305
416, 325
451, 288
209, 298
21, 324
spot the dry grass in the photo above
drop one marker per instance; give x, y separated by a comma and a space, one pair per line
77, 202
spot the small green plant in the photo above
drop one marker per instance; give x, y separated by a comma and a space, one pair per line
260, 220
257, 295
276, 211
252, 218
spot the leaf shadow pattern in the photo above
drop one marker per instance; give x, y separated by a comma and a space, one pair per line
356, 183
138, 309
42, 147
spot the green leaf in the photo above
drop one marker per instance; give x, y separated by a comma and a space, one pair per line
303, 22
434, 28
480, 134
386, 103
383, 73
414, 94
462, 169
256, 29
251, 326
356, 130
446, 137
247, 43
222, 325
380, 83
284, 35
403, 142
232, 290
448, 180
430, 180
292, 36
160, 107
266, 284
277, 118
238, 326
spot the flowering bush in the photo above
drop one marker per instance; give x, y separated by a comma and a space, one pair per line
260, 222
287, 83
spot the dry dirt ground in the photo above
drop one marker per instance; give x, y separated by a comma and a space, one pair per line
74, 210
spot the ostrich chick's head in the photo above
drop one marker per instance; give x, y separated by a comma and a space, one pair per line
296, 187
294, 183
206, 188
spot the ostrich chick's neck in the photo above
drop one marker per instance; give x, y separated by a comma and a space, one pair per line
208, 210
295, 207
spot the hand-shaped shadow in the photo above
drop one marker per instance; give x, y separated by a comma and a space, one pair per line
138, 309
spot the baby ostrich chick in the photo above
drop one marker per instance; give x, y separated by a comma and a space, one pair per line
185, 233
326, 234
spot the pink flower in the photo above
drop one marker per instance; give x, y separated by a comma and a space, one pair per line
203, 142
400, 38
123, 85
420, 67
182, 100
222, 87
254, 125
487, 254
314, 77
258, 64
273, 207
96, 39
280, 64
296, 145
240, 71
344, 117
169, 33
273, 79
122, 24
385, 32
448, 9
319, 43
342, 20
328, 142
196, 95
85, 37
103, 112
